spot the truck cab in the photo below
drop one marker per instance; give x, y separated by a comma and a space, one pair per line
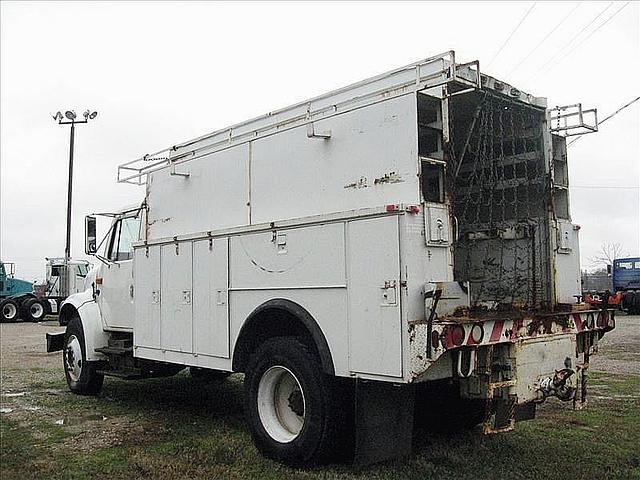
625, 276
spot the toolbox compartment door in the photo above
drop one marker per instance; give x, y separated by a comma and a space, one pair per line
375, 337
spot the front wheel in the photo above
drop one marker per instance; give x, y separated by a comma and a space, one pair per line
82, 376
291, 405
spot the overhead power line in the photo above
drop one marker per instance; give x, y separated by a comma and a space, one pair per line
511, 34
587, 37
570, 42
607, 118
544, 39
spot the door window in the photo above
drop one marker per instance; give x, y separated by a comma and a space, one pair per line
432, 182
125, 233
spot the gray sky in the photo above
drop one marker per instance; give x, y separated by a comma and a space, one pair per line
162, 73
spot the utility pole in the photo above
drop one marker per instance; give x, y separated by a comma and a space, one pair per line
71, 120
67, 246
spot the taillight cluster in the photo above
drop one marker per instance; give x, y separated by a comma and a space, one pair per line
456, 335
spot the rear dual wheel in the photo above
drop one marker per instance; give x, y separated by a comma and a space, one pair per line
9, 311
295, 412
34, 310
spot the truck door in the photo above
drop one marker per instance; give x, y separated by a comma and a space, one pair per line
116, 291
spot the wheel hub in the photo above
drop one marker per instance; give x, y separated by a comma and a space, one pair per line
9, 311
73, 358
281, 404
36, 310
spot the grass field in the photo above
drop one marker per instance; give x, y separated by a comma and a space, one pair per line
174, 428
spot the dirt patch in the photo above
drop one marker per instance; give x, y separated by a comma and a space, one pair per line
619, 349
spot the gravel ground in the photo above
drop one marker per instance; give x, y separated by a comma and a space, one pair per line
24, 345
619, 349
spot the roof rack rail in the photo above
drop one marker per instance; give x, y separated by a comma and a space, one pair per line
428, 73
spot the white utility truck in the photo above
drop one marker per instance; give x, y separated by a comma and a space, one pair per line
396, 251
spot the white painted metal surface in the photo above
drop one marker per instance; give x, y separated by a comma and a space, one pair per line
319, 204
116, 295
210, 297
567, 263
146, 326
374, 297
176, 297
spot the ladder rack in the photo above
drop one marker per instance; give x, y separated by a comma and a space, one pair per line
428, 73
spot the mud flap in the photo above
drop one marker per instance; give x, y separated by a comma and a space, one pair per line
384, 421
55, 342
500, 413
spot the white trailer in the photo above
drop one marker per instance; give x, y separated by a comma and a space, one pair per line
395, 250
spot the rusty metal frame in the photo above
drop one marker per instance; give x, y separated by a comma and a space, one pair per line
572, 120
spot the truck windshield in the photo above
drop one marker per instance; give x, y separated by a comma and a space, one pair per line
628, 265
125, 233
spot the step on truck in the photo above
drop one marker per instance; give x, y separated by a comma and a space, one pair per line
395, 253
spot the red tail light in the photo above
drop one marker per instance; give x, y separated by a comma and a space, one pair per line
457, 335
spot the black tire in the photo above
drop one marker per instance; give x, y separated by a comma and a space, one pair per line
33, 310
321, 437
82, 376
9, 311
206, 375
628, 301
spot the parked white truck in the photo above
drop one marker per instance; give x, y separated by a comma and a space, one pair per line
393, 251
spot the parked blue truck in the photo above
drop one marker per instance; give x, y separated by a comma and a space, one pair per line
625, 276
16, 296
624, 286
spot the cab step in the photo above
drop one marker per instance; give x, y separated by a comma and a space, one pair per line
133, 374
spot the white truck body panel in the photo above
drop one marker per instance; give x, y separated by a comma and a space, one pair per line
308, 265
294, 205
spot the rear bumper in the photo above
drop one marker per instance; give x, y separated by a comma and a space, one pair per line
452, 333
510, 363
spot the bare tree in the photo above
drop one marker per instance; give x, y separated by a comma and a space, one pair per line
608, 253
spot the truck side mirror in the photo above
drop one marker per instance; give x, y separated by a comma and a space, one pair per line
609, 269
90, 235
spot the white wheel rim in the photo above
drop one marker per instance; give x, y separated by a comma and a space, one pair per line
36, 310
9, 311
73, 358
281, 404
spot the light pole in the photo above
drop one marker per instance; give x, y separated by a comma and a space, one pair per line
71, 120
